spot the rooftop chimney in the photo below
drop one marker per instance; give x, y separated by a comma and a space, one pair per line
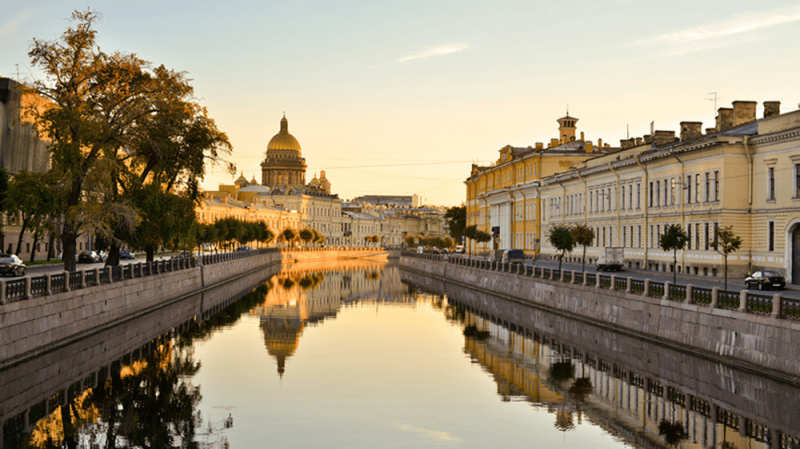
711, 130
539, 146
627, 143
691, 130
589, 147
744, 112
648, 138
554, 142
663, 137
724, 119
772, 108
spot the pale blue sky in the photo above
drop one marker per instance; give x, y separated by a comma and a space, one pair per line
401, 97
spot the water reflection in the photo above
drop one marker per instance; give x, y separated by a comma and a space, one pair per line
646, 395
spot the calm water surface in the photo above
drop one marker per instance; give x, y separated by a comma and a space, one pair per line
351, 356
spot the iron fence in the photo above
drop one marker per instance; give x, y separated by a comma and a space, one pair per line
759, 304
728, 300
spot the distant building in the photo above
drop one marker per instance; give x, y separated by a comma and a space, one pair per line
389, 200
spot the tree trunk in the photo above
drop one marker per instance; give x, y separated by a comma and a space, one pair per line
51, 246
583, 267
726, 272
33, 248
69, 239
21, 234
561, 258
112, 260
674, 266
151, 252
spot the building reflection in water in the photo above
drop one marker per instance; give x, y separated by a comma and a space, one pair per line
307, 294
576, 385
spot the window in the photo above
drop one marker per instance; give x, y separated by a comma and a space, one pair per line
708, 187
611, 236
697, 188
658, 193
640, 236
630, 197
771, 236
624, 236
603, 206
623, 198
707, 236
672, 183
716, 185
666, 193
770, 183
688, 189
689, 236
797, 180
638, 195
650, 204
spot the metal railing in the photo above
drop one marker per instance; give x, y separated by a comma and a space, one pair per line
789, 308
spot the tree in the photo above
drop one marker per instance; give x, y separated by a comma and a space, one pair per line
482, 236
289, 235
33, 196
306, 235
583, 235
4, 181
100, 104
410, 241
456, 218
375, 239
725, 242
561, 238
674, 239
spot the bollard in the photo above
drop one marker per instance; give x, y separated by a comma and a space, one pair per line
743, 301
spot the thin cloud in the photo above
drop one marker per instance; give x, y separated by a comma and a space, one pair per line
435, 51
10, 26
742, 23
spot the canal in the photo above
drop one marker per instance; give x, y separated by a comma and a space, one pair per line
363, 354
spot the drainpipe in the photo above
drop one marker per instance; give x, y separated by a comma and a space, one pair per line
610, 167
680, 198
746, 143
646, 207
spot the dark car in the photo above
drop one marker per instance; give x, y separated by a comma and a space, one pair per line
89, 257
244, 248
124, 254
11, 264
764, 280
183, 255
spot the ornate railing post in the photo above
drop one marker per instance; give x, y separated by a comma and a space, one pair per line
646, 287
572, 280
776, 305
714, 297
27, 287
66, 281
743, 301
667, 284
2, 291
48, 284
613, 282
585, 279
83, 278
689, 292
628, 286
110, 274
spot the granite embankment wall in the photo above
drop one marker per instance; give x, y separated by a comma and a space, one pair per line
40, 314
763, 344
38, 385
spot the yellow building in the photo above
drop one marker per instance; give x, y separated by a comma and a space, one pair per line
744, 172
504, 196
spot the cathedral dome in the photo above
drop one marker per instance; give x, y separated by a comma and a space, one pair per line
283, 141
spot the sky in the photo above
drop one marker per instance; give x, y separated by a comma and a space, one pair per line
401, 97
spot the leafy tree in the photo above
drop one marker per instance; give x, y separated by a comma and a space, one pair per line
33, 196
456, 218
482, 236
448, 242
306, 235
318, 237
289, 235
673, 239
561, 238
410, 240
583, 236
101, 103
725, 242
167, 219
4, 182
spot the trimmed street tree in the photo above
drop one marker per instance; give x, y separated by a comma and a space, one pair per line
583, 236
674, 239
456, 218
725, 242
289, 235
33, 196
306, 235
560, 237
410, 241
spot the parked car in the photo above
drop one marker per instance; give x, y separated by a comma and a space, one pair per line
516, 256
183, 255
243, 248
88, 257
11, 264
764, 280
124, 254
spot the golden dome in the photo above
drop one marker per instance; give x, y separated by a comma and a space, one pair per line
283, 140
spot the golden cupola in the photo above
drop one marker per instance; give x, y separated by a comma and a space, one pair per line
283, 141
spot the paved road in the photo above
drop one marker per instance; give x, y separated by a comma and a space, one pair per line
734, 284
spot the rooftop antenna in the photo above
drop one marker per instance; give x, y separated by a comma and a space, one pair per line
714, 99
628, 131
17, 66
